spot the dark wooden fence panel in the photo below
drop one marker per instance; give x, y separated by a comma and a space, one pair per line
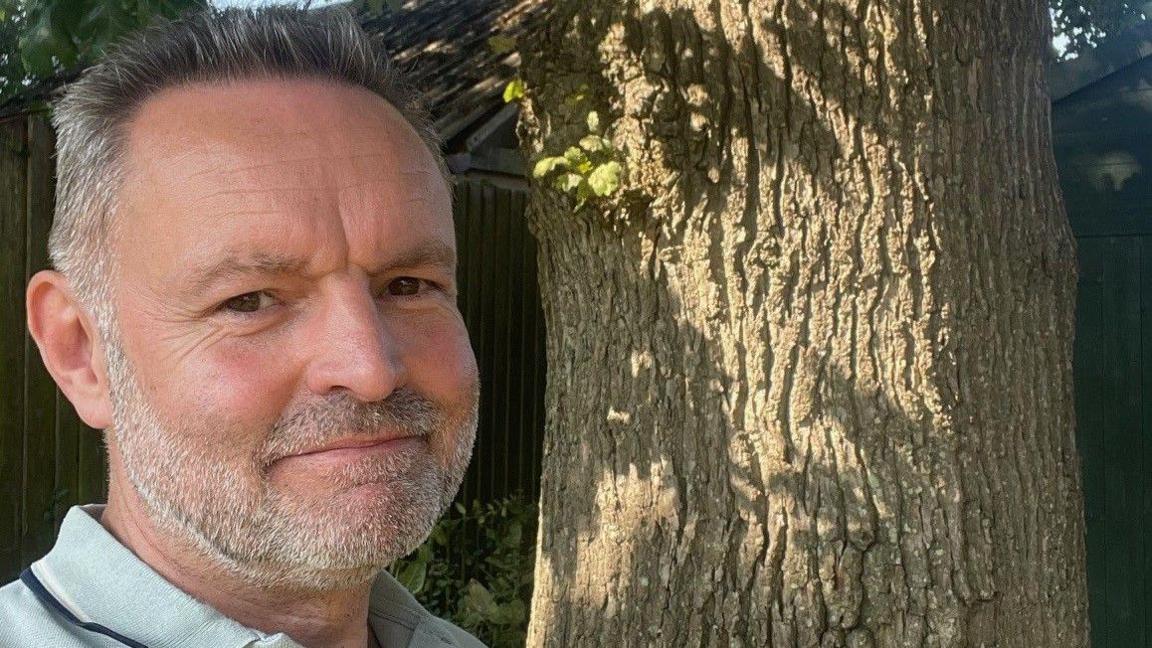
1112, 367
39, 520
49, 460
1088, 365
1102, 140
1142, 508
501, 306
13, 172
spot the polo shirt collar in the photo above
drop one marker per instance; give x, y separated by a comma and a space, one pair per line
100, 580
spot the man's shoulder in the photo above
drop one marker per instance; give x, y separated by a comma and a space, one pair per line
416, 627
459, 636
395, 610
24, 621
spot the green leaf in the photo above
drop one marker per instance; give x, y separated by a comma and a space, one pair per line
593, 143
501, 44
568, 181
605, 179
593, 122
44, 44
572, 100
479, 599
424, 554
412, 576
514, 91
513, 612
547, 165
575, 156
395, 5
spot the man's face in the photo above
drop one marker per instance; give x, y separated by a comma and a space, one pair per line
285, 299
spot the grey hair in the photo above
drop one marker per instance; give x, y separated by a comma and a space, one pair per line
208, 46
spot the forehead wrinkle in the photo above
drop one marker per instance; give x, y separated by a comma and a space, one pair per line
245, 191
424, 190
249, 212
247, 264
216, 206
279, 164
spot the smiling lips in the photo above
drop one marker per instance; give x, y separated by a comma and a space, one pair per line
351, 443
352, 448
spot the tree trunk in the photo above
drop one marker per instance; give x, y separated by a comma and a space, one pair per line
810, 367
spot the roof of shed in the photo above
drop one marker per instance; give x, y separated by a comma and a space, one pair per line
1113, 54
443, 46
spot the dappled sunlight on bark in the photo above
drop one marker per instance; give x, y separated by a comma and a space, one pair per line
809, 370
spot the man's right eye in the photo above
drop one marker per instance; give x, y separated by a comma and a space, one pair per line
248, 302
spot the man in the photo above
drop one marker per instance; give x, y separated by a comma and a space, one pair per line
255, 298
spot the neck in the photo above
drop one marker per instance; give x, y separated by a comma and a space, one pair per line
331, 618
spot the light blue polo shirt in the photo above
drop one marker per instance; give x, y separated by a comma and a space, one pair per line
95, 579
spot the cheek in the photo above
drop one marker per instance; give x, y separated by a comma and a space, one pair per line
240, 386
224, 386
439, 360
442, 366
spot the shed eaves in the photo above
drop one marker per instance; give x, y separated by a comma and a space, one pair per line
443, 46
1114, 54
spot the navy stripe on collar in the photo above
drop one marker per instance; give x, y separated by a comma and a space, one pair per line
29, 579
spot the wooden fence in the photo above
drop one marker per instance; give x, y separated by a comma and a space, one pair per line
1102, 139
49, 460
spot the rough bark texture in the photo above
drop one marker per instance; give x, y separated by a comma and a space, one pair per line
810, 372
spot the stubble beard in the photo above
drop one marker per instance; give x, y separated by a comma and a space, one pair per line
226, 507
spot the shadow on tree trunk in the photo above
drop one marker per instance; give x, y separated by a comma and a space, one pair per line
810, 370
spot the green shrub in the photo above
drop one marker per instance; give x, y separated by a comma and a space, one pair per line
475, 569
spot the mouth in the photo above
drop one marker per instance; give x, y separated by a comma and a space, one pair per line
350, 450
351, 443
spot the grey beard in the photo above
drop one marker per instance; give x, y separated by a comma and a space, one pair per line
232, 515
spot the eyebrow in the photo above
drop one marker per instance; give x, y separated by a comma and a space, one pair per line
429, 253
233, 266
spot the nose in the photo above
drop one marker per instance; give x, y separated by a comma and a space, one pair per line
354, 349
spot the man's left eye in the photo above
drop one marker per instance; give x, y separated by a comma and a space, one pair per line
248, 303
407, 286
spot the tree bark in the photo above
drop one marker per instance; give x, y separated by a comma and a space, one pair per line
810, 368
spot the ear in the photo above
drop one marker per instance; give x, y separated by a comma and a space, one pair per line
70, 346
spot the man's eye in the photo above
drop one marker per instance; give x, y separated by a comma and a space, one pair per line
405, 286
248, 302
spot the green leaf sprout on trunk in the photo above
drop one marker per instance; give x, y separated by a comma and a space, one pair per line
590, 169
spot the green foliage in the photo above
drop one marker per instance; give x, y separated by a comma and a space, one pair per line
42, 42
1085, 22
605, 179
476, 569
501, 44
590, 169
514, 91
